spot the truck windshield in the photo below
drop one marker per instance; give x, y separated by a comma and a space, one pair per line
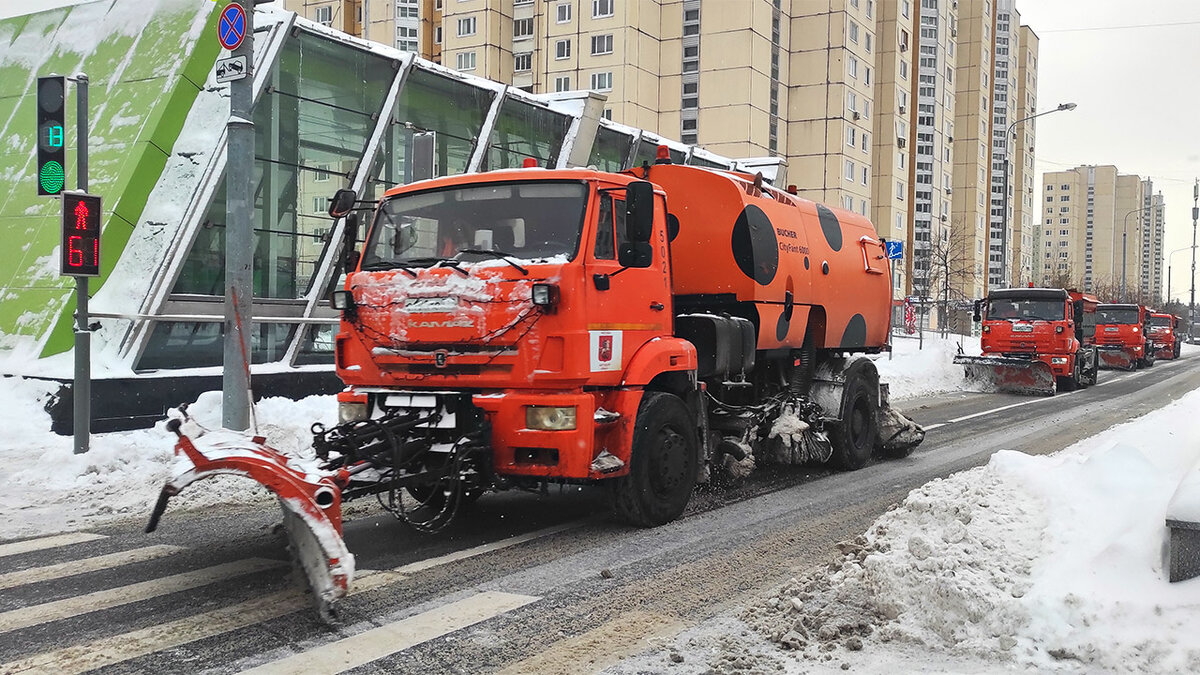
524, 220
1114, 315
1160, 321
1026, 309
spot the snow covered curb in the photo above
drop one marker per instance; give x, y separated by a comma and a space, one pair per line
925, 367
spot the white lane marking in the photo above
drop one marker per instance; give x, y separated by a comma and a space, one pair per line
123, 595
422, 565
30, 545
996, 410
929, 427
118, 648
73, 567
377, 643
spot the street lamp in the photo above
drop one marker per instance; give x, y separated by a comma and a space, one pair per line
1124, 236
1169, 255
1004, 209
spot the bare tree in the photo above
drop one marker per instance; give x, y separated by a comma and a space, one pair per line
951, 269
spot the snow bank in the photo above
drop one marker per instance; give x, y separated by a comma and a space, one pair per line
50, 489
1043, 562
917, 369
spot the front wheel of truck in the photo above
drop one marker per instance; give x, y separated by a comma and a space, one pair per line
662, 470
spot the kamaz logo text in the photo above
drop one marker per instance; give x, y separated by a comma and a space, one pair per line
448, 323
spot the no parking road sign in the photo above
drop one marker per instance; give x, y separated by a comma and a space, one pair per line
231, 28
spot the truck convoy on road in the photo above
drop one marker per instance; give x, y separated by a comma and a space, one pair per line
1122, 335
643, 331
1166, 331
1035, 340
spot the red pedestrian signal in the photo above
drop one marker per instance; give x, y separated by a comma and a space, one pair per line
80, 242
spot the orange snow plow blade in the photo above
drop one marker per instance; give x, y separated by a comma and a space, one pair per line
1116, 359
310, 499
1028, 376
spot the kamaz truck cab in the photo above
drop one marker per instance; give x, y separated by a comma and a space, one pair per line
1122, 336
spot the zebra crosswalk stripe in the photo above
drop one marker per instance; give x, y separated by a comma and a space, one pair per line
43, 543
71, 568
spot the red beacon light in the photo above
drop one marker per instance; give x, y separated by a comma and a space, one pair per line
529, 163
662, 155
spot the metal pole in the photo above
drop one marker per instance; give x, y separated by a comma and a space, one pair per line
239, 239
892, 313
1195, 215
83, 335
1124, 234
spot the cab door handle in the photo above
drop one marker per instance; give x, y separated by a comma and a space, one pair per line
657, 306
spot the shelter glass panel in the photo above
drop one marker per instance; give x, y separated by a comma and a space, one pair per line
610, 149
524, 130
180, 344
311, 128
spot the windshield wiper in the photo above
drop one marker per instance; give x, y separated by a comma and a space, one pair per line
389, 265
502, 255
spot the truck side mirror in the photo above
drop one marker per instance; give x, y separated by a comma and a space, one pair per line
342, 203
978, 311
639, 211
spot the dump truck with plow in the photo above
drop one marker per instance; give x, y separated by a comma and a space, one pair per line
1034, 340
1166, 332
643, 331
1123, 336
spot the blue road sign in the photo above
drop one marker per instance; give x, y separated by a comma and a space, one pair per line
232, 26
895, 249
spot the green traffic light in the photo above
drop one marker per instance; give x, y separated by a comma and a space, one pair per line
52, 177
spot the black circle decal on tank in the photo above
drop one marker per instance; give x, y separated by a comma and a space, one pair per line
830, 227
782, 327
855, 334
755, 249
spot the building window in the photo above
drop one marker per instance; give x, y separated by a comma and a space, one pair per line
522, 28
466, 26
466, 60
689, 87
689, 125
602, 8
602, 44
564, 13
321, 174
849, 170
854, 32
904, 70
562, 49
851, 136
867, 38
562, 83
690, 102
853, 67
899, 191
437, 35
865, 141
866, 174
523, 62
324, 15
602, 81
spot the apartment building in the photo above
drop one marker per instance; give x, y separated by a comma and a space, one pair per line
410, 25
973, 145
1022, 197
1004, 114
932, 152
892, 205
1102, 232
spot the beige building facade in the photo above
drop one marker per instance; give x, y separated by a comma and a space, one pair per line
1102, 232
1023, 182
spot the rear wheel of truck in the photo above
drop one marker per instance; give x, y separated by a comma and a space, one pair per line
854, 438
662, 466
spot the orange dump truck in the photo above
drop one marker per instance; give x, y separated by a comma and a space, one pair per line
645, 331
1166, 334
1035, 340
1123, 336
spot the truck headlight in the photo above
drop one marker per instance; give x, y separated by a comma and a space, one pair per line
351, 411
1058, 360
1135, 329
550, 418
987, 328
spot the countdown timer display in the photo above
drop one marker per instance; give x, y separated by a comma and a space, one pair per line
80, 252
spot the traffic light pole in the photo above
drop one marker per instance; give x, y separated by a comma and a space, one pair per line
83, 335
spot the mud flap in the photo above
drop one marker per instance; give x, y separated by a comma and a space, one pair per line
898, 435
1009, 374
309, 497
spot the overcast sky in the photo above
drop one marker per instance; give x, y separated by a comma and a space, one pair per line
1139, 103
1136, 84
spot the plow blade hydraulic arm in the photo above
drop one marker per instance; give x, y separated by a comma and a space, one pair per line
1009, 374
310, 499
